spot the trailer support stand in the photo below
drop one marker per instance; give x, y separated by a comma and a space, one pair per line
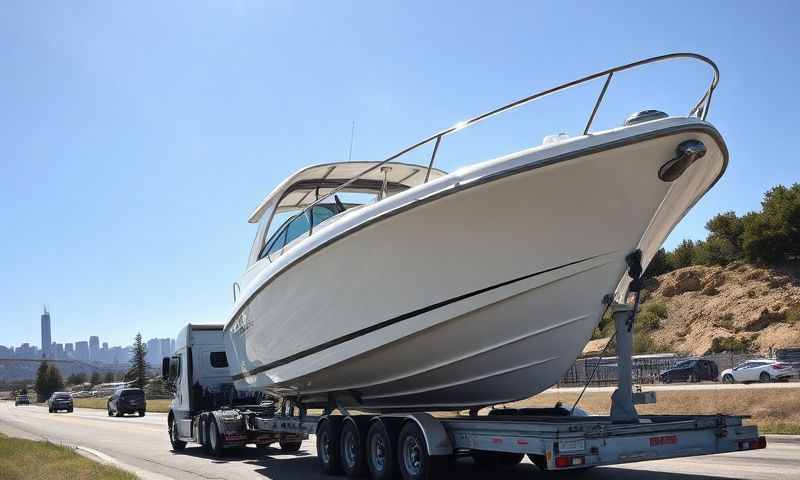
622, 407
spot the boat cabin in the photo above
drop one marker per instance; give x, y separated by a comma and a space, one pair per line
284, 215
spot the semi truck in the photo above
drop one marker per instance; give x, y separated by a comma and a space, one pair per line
208, 411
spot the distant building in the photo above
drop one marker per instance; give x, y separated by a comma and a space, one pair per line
6, 352
105, 356
94, 348
46, 340
153, 352
166, 349
69, 350
57, 351
82, 351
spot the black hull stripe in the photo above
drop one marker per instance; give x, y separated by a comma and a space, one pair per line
400, 318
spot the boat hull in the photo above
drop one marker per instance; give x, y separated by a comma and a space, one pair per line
478, 291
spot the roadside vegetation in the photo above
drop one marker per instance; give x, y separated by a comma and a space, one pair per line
773, 410
155, 405
26, 459
770, 237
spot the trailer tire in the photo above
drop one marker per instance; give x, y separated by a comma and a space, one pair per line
381, 447
353, 449
215, 444
172, 429
290, 446
488, 459
412, 455
328, 451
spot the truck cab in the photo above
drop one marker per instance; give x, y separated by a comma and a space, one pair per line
206, 408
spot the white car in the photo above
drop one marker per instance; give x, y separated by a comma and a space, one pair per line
757, 371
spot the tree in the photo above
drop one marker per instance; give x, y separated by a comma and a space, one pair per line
48, 380
43, 391
659, 265
138, 369
715, 251
727, 226
109, 377
95, 378
683, 255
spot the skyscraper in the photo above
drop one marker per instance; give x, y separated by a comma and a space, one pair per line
94, 348
82, 351
69, 350
46, 340
153, 352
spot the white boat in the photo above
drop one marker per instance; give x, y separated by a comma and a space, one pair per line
465, 289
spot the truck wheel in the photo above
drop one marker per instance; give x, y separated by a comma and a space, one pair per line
177, 444
328, 451
289, 446
215, 444
380, 449
488, 459
352, 450
117, 413
141, 413
412, 455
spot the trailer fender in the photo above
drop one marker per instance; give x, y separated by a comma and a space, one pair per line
228, 421
436, 437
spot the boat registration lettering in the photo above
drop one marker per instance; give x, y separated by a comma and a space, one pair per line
241, 324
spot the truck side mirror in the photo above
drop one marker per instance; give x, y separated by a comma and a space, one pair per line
165, 368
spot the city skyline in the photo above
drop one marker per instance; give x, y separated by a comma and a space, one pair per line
89, 351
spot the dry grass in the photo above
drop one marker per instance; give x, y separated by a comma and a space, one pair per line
158, 405
773, 410
26, 459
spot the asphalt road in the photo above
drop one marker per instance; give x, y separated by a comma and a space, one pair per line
141, 444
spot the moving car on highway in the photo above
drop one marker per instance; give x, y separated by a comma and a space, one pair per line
763, 370
127, 400
60, 401
22, 399
691, 370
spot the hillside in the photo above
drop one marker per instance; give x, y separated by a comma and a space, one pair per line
709, 308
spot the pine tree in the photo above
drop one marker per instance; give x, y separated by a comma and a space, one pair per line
43, 391
138, 369
54, 379
109, 377
95, 378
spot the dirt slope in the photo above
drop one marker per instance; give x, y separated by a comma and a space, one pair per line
740, 304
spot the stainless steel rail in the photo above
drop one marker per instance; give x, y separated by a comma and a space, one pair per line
700, 110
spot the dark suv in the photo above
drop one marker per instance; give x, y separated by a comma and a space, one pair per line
127, 400
691, 370
60, 401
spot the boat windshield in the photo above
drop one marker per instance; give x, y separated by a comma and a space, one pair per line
297, 225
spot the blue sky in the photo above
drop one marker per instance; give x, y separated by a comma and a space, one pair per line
136, 138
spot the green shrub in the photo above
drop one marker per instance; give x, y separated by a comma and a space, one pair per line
730, 344
725, 321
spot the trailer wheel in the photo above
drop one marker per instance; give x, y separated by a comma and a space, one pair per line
539, 461
488, 459
290, 446
380, 450
328, 446
215, 444
353, 449
412, 455
177, 444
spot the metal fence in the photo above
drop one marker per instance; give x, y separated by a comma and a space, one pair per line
646, 368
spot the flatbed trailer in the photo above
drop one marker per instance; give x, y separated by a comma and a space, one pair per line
416, 445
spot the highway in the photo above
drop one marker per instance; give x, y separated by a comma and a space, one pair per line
141, 445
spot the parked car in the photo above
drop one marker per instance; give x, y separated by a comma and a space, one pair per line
691, 370
127, 400
791, 356
59, 401
22, 399
764, 370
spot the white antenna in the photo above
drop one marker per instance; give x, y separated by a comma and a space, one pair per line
352, 135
